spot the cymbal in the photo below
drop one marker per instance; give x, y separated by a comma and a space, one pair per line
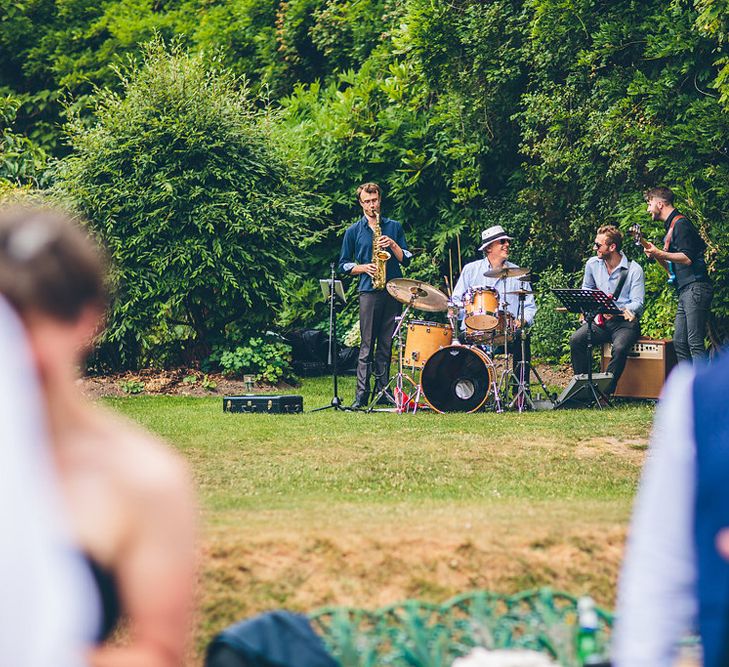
509, 272
419, 294
520, 292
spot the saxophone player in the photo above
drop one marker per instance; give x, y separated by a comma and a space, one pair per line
377, 309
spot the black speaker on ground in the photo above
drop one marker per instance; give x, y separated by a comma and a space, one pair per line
578, 394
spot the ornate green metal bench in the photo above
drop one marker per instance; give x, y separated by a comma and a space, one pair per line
420, 634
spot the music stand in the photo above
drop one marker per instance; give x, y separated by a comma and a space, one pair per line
334, 292
589, 302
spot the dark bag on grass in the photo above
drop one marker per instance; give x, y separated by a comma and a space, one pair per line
274, 639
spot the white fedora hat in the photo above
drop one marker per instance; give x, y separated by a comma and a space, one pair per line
488, 236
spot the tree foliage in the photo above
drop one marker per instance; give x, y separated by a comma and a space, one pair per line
549, 117
180, 179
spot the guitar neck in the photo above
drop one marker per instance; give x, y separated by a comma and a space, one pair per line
638, 236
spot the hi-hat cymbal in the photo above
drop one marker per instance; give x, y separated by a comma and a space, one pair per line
419, 294
521, 292
509, 272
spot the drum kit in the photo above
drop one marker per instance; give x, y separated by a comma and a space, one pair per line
437, 371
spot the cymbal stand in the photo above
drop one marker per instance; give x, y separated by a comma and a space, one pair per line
507, 375
496, 384
522, 397
396, 385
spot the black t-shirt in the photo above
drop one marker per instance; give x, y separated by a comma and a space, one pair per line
686, 239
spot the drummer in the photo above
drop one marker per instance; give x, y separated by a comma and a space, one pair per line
495, 244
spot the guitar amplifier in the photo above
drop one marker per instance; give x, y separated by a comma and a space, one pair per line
264, 403
648, 365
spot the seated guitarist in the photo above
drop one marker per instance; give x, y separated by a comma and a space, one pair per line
611, 272
683, 251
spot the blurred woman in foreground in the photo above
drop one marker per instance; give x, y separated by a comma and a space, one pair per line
127, 497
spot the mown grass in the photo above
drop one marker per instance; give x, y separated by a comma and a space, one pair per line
332, 507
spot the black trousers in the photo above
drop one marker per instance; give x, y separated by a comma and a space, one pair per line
692, 314
619, 332
377, 313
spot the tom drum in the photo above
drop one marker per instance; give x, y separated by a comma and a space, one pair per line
423, 339
480, 305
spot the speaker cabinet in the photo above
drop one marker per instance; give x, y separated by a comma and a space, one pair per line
648, 365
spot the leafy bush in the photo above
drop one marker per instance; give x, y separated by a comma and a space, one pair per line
200, 212
270, 362
131, 386
22, 162
548, 118
552, 330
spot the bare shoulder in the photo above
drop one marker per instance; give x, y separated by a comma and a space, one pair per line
139, 461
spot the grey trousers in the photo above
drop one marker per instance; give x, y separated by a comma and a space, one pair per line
692, 314
623, 336
377, 312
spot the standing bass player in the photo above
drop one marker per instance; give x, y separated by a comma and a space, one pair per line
683, 256
360, 256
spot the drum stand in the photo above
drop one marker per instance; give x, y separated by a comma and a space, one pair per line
522, 399
401, 400
498, 407
507, 374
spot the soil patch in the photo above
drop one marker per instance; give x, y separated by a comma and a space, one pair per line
192, 382
371, 569
173, 382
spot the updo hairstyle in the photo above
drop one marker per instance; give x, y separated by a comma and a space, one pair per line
49, 264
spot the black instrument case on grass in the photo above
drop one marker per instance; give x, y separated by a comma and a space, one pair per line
274, 404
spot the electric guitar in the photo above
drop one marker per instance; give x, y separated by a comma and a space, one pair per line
601, 318
637, 233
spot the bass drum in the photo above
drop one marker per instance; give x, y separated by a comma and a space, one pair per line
457, 378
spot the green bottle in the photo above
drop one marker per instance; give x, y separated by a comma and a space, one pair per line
587, 648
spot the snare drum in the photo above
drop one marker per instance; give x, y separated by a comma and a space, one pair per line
424, 339
504, 332
481, 304
478, 337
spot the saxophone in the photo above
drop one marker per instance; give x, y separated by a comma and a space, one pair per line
379, 257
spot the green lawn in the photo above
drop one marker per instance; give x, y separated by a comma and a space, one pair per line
366, 509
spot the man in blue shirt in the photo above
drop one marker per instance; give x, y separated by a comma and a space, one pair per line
605, 272
377, 309
495, 245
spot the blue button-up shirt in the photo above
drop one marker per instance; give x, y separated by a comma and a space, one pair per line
632, 296
472, 276
357, 249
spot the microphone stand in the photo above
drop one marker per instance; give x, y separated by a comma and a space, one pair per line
336, 402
